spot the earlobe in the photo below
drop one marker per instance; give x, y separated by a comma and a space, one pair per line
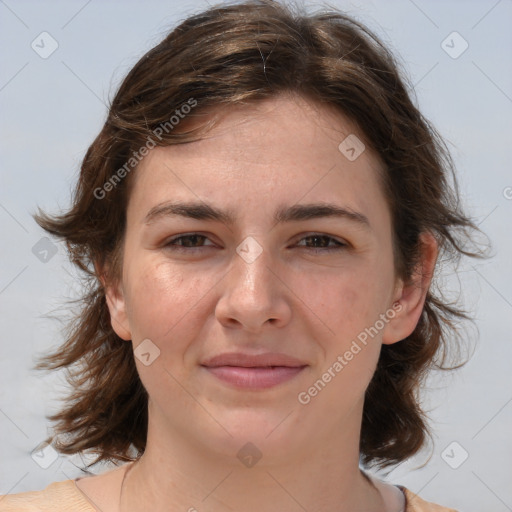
117, 306
118, 316
411, 295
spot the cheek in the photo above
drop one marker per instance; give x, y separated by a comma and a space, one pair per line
160, 298
349, 305
346, 303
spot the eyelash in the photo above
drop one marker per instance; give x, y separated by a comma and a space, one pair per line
180, 248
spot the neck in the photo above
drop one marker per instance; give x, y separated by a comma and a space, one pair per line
176, 473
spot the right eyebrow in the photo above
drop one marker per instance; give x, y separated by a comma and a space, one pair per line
295, 213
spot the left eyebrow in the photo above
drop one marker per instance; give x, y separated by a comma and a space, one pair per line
295, 213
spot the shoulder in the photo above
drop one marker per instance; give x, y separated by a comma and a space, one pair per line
415, 504
56, 497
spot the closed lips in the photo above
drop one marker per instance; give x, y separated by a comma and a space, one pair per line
254, 372
253, 361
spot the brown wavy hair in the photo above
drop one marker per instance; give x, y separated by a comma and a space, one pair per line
234, 55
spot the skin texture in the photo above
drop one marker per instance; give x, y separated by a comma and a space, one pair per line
201, 301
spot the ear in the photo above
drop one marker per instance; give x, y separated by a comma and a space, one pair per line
409, 297
114, 296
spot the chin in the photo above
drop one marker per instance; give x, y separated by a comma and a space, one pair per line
272, 434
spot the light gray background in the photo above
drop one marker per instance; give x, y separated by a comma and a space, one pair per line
53, 108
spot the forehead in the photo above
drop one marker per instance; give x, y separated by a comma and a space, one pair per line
284, 125
283, 150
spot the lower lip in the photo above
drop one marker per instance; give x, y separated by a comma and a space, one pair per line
255, 378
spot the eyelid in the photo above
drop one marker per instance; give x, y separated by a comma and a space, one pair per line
340, 241
339, 244
186, 235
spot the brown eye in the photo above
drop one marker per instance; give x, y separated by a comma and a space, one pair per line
322, 243
189, 241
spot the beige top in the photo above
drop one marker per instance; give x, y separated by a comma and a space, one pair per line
67, 497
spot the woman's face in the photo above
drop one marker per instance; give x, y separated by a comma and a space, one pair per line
317, 288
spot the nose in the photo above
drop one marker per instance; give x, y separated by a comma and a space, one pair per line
255, 294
